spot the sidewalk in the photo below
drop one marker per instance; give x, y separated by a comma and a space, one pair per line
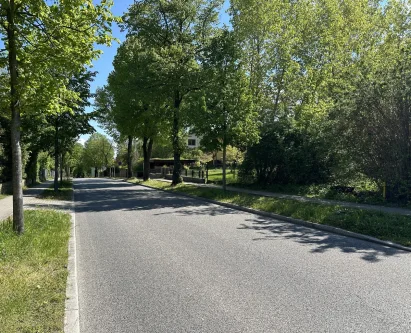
391, 210
32, 202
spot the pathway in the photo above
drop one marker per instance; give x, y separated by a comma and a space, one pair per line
32, 202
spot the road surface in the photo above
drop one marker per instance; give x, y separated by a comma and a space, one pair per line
150, 261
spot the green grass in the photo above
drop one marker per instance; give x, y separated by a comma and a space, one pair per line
33, 273
2, 196
391, 227
216, 176
65, 191
133, 180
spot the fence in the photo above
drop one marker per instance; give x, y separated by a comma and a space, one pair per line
189, 175
193, 173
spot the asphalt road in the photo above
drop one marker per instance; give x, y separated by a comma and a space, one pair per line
150, 261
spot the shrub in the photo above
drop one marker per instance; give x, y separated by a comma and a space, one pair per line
286, 155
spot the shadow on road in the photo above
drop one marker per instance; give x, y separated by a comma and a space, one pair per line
318, 241
138, 199
105, 195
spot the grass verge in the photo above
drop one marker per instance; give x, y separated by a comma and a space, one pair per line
216, 176
33, 273
2, 196
64, 192
391, 227
367, 192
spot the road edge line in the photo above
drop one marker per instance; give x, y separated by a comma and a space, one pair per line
312, 225
71, 313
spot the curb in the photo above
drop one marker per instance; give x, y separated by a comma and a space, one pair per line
311, 225
71, 313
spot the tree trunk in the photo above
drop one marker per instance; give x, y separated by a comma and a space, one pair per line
129, 157
224, 162
68, 172
31, 168
61, 169
177, 179
147, 149
56, 156
17, 172
146, 161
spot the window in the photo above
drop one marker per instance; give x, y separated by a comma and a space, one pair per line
191, 142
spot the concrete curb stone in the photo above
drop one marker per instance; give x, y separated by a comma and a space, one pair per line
71, 314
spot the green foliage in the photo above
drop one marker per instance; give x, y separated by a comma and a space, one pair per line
55, 41
98, 152
45, 161
193, 154
162, 149
122, 152
287, 155
73, 160
325, 82
122, 105
377, 133
46, 44
338, 73
227, 116
173, 35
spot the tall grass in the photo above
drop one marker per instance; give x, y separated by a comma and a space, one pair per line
33, 273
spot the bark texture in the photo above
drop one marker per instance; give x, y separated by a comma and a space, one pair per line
17, 170
177, 179
129, 157
147, 149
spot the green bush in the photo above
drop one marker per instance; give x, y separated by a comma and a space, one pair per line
287, 155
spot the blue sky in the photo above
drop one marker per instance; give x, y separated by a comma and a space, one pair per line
104, 64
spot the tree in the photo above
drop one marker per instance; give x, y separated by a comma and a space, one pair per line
127, 155
124, 106
374, 117
45, 44
69, 125
299, 51
57, 133
45, 163
74, 160
302, 61
227, 116
98, 152
174, 34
